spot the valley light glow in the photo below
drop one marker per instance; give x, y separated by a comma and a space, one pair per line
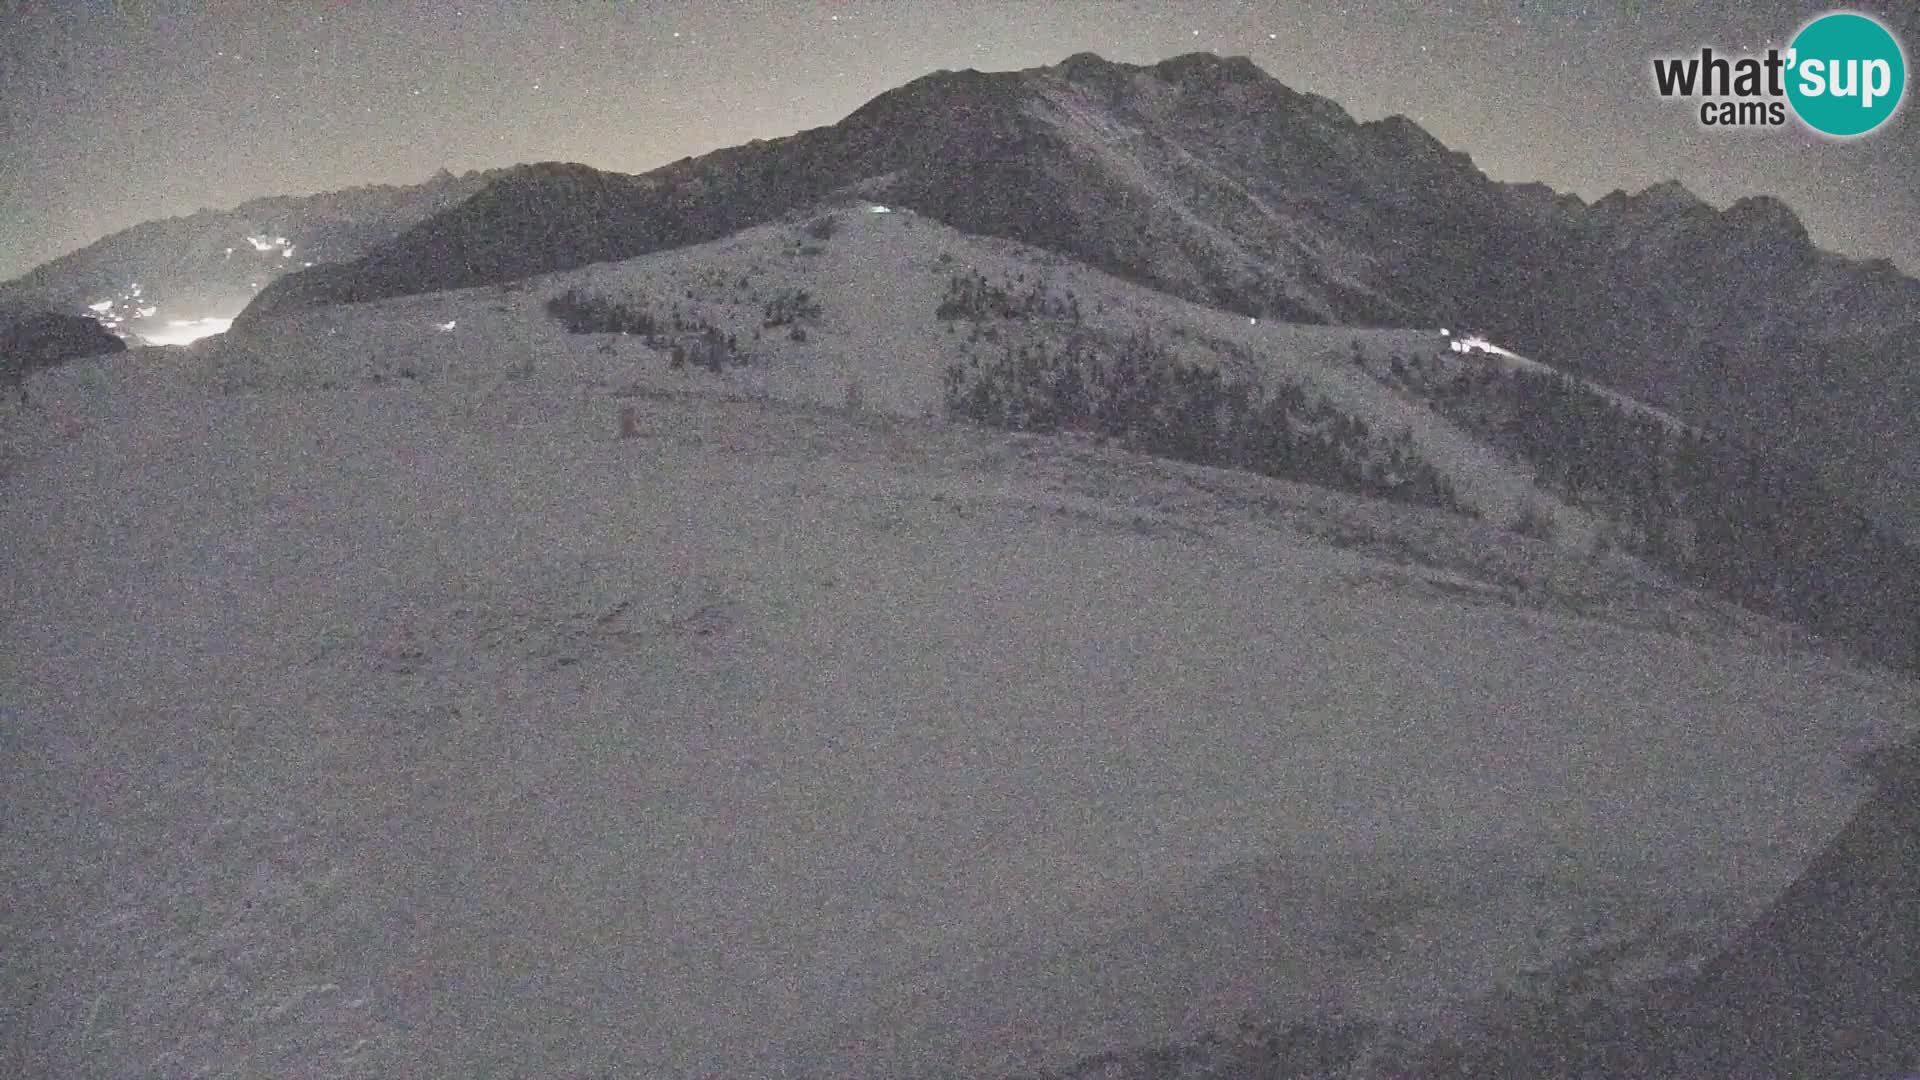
184, 331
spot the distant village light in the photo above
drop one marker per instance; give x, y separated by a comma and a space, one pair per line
185, 331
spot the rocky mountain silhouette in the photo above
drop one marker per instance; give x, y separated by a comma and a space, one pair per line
213, 262
1207, 178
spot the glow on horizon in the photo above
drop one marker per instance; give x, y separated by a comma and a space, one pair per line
183, 331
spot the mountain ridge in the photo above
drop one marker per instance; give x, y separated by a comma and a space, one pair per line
210, 263
1204, 177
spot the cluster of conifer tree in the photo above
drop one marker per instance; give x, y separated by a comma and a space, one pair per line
971, 296
687, 339
1149, 400
582, 314
790, 306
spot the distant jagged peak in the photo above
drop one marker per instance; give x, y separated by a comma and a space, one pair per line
1540, 198
1668, 198
934, 99
1766, 211
1759, 215
1201, 73
1404, 133
1210, 67
1768, 228
1091, 66
1671, 194
1540, 191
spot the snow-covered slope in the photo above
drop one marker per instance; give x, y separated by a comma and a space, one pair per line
878, 281
374, 708
1204, 177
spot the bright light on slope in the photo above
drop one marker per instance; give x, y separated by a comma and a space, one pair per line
1476, 343
182, 331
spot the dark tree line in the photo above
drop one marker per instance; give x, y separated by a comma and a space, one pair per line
1142, 396
971, 296
582, 314
686, 339
1753, 527
790, 306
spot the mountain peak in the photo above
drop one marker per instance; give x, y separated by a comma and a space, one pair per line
1185, 68
1766, 220
1766, 210
1402, 131
1670, 195
1086, 63
1207, 66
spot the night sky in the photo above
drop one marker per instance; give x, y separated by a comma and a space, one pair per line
115, 113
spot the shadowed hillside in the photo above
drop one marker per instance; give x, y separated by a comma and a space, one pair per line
31, 339
1822, 985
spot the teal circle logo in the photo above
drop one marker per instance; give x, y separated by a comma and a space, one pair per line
1846, 74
